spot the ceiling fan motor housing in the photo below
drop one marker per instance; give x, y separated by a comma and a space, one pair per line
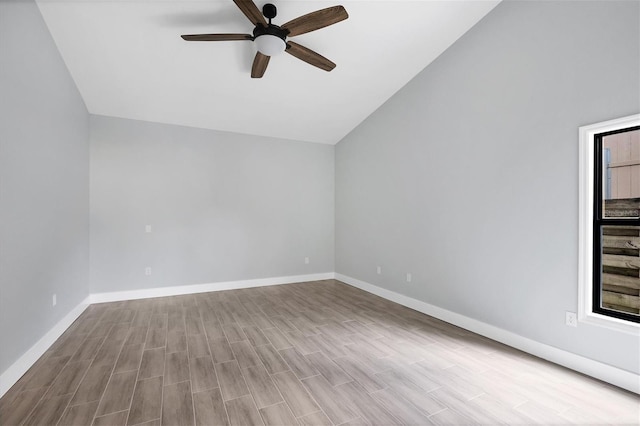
271, 29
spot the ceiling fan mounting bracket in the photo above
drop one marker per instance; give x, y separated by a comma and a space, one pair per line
269, 11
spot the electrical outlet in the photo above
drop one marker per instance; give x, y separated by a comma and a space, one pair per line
147, 270
571, 319
147, 229
379, 270
54, 300
306, 260
409, 277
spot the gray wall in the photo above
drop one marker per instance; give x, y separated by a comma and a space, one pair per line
44, 183
468, 177
221, 206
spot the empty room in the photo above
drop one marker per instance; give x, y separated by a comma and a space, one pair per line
237, 212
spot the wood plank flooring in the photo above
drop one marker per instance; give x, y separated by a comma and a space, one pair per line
320, 353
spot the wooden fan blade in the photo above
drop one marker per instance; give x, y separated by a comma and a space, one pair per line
260, 63
309, 56
315, 20
251, 11
216, 37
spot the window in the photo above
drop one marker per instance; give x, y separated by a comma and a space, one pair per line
609, 287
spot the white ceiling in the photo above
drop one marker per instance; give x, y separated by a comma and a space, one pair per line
128, 60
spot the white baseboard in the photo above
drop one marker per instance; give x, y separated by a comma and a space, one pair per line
12, 374
604, 372
203, 288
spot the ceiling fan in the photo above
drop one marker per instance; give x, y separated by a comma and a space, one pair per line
272, 40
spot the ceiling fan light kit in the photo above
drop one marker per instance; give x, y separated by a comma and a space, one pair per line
271, 40
270, 45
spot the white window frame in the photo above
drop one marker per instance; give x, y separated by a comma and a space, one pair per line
585, 234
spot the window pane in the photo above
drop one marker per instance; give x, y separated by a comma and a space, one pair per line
621, 174
621, 269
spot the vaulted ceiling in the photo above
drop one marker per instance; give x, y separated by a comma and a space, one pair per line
128, 60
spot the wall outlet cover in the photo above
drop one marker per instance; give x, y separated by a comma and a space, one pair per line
571, 319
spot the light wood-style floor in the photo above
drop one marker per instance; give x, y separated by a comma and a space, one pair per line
317, 353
